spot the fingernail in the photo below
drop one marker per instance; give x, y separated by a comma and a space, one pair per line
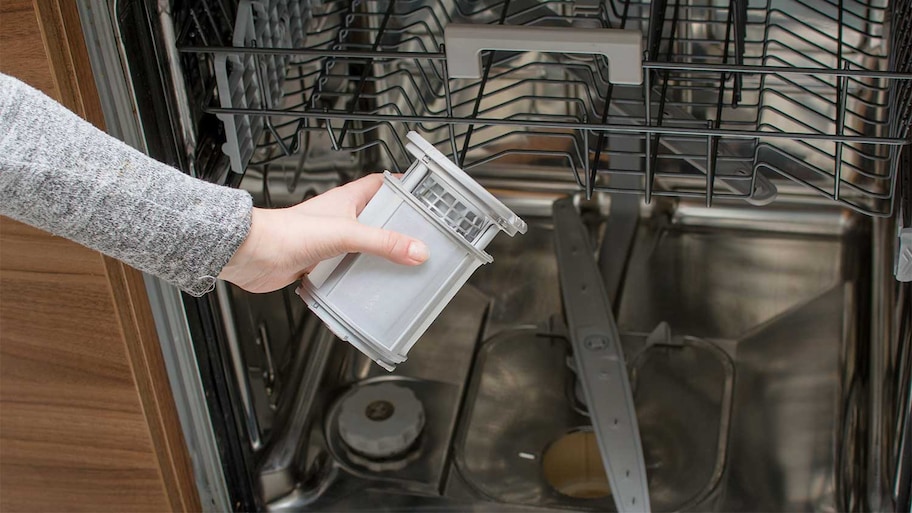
417, 251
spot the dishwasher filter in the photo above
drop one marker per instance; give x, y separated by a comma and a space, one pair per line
382, 308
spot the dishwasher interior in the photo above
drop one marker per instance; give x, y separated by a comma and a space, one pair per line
742, 203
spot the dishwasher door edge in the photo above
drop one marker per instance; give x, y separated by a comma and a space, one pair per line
116, 94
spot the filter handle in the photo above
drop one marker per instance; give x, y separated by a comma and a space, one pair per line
622, 48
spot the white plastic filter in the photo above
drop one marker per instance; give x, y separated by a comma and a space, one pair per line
383, 308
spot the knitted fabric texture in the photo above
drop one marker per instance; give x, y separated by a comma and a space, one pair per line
61, 174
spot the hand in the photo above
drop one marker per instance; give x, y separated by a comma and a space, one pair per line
285, 244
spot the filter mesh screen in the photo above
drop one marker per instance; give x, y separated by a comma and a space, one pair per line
450, 208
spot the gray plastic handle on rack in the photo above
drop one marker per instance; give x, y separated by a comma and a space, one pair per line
600, 364
622, 48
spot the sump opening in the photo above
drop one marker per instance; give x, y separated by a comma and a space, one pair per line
572, 465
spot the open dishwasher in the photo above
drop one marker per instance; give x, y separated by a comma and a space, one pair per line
735, 176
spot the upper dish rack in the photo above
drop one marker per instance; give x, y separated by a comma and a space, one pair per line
734, 95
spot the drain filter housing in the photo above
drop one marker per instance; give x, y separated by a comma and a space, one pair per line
382, 308
381, 421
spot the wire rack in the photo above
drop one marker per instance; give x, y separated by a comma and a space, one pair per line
739, 97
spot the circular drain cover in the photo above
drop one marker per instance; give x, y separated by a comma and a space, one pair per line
381, 421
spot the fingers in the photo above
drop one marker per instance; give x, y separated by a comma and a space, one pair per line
349, 199
362, 190
390, 245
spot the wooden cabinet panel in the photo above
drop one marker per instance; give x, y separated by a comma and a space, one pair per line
77, 459
58, 256
87, 422
73, 436
21, 50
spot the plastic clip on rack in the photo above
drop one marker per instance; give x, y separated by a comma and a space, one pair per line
383, 308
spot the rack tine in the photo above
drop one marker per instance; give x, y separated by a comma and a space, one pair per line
712, 141
199, 29
489, 62
212, 22
592, 171
586, 166
359, 90
650, 172
842, 93
739, 17
336, 44
656, 27
449, 107
712, 145
332, 135
269, 102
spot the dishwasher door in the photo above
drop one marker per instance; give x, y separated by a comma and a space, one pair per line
767, 345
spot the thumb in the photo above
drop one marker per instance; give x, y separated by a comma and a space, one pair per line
390, 245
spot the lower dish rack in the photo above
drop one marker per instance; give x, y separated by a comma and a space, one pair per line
734, 95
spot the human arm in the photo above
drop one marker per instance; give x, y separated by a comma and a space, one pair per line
61, 174
284, 244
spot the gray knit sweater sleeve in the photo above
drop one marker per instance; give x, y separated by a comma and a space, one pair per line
61, 174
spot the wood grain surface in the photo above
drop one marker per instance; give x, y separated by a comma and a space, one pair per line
73, 436
87, 422
21, 50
